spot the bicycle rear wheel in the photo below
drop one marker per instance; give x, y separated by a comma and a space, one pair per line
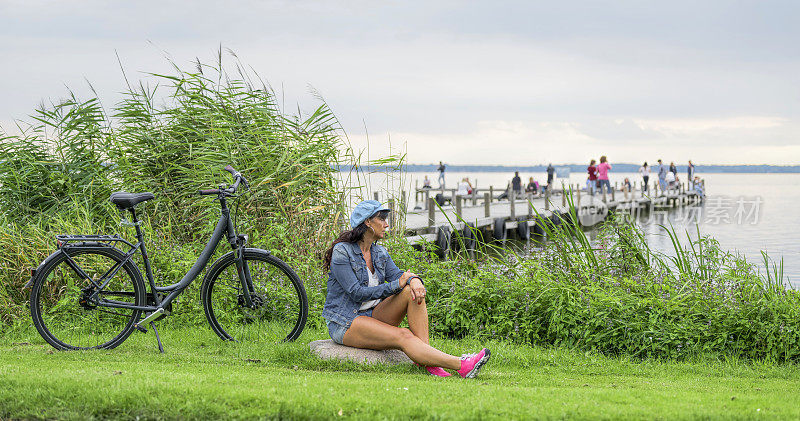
280, 305
61, 307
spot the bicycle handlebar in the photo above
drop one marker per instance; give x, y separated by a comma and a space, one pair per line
232, 188
233, 172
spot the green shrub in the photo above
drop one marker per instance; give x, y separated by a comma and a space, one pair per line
632, 301
58, 161
171, 137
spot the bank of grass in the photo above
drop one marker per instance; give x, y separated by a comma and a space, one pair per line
202, 377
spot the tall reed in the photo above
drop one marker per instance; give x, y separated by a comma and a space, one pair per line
172, 134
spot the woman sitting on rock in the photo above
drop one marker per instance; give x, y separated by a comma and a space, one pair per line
368, 297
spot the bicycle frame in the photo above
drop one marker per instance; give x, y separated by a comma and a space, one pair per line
224, 228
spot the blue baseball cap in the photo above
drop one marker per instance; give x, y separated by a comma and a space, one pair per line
364, 211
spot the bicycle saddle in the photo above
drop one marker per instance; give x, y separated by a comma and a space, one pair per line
125, 200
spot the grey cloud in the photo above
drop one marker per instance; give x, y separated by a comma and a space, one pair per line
440, 67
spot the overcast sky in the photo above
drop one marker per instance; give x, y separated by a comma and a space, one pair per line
465, 82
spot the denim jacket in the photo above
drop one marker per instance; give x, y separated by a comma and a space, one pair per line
348, 280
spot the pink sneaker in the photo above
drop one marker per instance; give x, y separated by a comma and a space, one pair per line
472, 363
435, 371
438, 371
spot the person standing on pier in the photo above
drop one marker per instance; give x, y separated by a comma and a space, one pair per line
644, 170
690, 171
532, 187
602, 174
441, 169
673, 169
591, 182
662, 175
516, 185
550, 172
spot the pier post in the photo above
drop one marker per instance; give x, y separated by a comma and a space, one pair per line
431, 212
643, 187
614, 193
458, 205
530, 205
547, 198
491, 193
578, 203
603, 187
563, 196
475, 194
416, 191
487, 205
404, 202
427, 196
512, 202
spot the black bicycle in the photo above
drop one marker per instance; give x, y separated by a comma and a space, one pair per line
90, 293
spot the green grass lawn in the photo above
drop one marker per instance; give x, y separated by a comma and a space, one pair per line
201, 377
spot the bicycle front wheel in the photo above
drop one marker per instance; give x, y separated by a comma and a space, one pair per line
64, 298
279, 303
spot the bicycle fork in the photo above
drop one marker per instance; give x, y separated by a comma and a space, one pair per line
243, 270
238, 243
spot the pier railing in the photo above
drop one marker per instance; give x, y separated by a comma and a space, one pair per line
493, 209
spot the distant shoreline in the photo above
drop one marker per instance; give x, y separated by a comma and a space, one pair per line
618, 167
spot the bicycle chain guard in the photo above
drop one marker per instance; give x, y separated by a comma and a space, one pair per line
152, 302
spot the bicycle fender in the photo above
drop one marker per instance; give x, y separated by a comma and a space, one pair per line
35, 272
212, 268
221, 259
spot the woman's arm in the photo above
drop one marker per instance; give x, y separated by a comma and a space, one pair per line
417, 286
344, 274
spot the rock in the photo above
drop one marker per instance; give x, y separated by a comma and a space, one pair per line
328, 349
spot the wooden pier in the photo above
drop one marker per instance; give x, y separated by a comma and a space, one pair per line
491, 214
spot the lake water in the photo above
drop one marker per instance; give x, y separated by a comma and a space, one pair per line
746, 213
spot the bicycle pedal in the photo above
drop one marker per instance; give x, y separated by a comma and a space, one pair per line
140, 328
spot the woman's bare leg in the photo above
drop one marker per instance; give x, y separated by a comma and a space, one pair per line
393, 309
369, 332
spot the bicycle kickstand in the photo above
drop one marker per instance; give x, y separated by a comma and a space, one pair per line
160, 347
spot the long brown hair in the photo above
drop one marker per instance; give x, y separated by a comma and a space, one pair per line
352, 236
